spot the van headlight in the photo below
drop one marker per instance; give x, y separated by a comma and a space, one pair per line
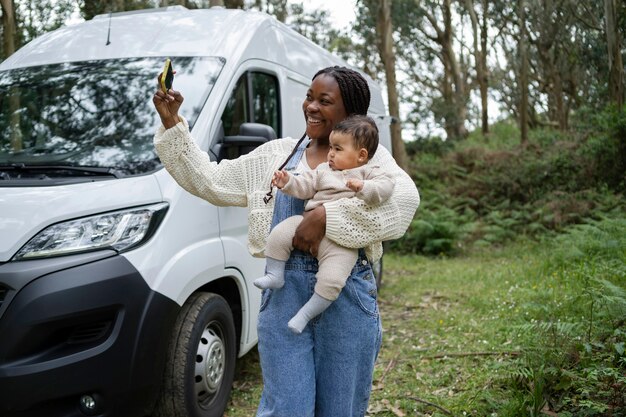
119, 230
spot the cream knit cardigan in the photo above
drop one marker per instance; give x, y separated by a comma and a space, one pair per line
245, 181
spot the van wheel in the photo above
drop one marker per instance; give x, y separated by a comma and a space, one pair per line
201, 358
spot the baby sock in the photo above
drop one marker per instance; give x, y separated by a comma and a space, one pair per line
312, 308
274, 274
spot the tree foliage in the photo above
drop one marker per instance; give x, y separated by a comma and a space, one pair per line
454, 60
455, 57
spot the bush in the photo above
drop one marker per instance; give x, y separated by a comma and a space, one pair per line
432, 233
430, 145
606, 149
489, 190
575, 364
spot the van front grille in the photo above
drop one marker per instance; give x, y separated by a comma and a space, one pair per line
91, 332
3, 293
5, 298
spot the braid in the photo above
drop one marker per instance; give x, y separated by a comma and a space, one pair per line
354, 89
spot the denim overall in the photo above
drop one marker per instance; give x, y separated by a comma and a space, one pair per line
327, 370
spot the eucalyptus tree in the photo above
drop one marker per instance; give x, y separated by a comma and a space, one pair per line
568, 55
480, 34
523, 85
91, 8
378, 14
9, 28
614, 49
429, 55
23, 20
314, 25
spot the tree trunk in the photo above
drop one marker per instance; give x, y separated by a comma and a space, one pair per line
234, 4
460, 109
446, 92
616, 68
561, 110
91, 8
479, 53
277, 8
9, 45
387, 55
216, 3
484, 81
452, 87
523, 51
9, 28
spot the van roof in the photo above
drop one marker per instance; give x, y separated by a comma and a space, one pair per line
201, 32
234, 34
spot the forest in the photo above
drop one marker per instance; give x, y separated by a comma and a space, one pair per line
449, 67
510, 118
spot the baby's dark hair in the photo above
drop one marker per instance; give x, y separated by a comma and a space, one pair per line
363, 130
354, 89
355, 93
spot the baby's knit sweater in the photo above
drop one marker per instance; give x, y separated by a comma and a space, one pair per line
245, 181
324, 184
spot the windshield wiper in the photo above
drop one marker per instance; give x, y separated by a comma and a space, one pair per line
104, 171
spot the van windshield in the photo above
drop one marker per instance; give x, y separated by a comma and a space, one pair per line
95, 114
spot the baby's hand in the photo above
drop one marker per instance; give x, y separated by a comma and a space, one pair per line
281, 178
354, 184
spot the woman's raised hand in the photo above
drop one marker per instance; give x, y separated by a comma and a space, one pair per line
167, 105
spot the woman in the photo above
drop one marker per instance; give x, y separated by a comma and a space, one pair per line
327, 370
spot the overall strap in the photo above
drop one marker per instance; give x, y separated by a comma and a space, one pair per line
286, 205
291, 163
294, 160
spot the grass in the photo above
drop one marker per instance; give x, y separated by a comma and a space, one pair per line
431, 307
447, 332
457, 330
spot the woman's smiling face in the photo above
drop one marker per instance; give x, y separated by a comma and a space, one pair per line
323, 107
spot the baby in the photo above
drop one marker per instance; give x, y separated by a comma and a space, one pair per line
347, 174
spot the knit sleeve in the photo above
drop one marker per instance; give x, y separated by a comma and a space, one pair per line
223, 184
354, 224
303, 186
377, 187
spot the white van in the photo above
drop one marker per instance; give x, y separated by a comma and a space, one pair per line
120, 293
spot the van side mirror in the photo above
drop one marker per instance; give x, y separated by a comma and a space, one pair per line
250, 136
257, 130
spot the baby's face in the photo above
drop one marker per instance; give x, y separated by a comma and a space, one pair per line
342, 153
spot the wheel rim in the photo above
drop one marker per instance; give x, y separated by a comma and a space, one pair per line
210, 363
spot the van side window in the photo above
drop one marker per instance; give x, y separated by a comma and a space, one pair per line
265, 100
236, 112
255, 98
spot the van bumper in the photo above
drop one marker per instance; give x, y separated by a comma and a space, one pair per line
80, 325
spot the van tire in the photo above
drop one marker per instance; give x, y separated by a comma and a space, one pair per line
202, 341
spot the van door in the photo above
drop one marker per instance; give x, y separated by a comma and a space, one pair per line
255, 97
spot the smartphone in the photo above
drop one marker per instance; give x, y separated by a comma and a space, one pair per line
167, 76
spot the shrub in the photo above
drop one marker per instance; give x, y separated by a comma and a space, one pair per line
575, 364
430, 145
432, 233
488, 190
606, 149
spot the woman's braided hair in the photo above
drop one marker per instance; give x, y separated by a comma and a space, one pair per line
355, 93
354, 89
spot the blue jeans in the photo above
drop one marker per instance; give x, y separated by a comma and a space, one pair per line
327, 370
